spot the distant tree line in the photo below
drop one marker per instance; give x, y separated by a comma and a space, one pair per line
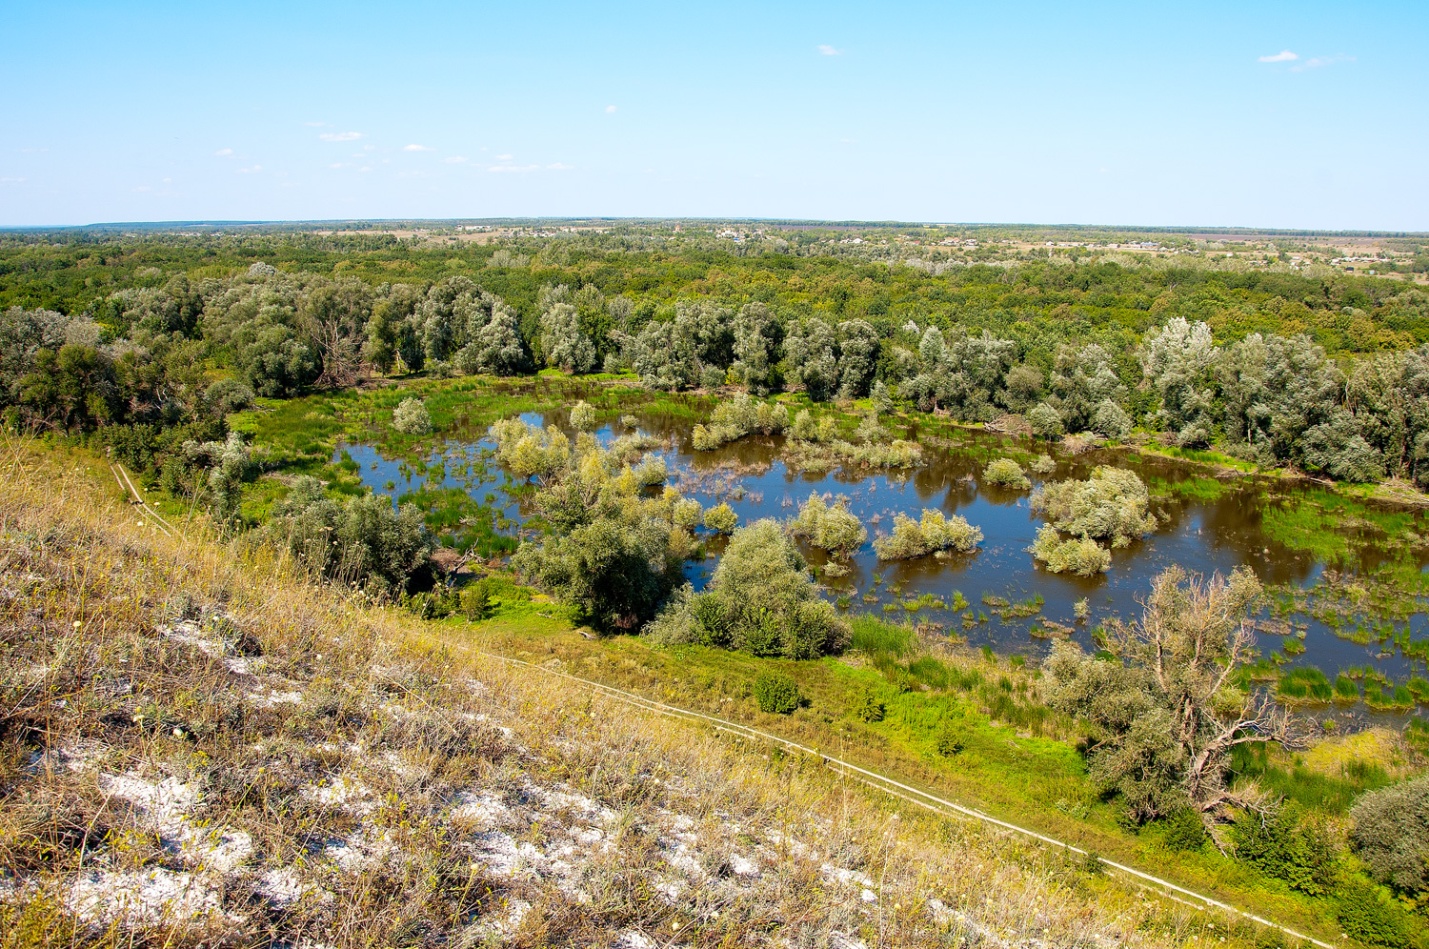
169, 356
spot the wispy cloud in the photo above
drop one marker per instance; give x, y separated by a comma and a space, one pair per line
315, 125
1319, 62
610, 110
559, 166
340, 136
826, 50
250, 170
224, 152
513, 169
10, 181
455, 159
1284, 56
416, 148
504, 157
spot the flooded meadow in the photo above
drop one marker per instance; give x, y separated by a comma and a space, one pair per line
1345, 620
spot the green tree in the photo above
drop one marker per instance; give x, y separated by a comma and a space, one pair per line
1166, 709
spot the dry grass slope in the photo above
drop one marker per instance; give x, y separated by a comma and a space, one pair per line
196, 748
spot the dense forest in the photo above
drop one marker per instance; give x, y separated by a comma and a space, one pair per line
1280, 363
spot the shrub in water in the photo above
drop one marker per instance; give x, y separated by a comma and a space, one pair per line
736, 418
721, 518
651, 472
760, 599
932, 532
527, 450
776, 693
1082, 555
686, 513
829, 528
1006, 473
411, 418
806, 428
583, 416
1110, 505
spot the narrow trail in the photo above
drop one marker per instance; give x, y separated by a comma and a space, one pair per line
127, 486
906, 792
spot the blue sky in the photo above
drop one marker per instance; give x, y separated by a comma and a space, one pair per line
1258, 114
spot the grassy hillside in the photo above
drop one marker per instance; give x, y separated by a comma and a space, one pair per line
195, 748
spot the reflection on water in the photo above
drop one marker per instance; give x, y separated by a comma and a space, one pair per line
1010, 601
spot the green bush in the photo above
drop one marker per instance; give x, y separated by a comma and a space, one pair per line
931, 533
1370, 915
830, 528
583, 417
761, 599
1288, 845
1079, 555
411, 418
361, 541
737, 417
1184, 830
776, 693
1111, 505
1006, 473
1391, 835
721, 518
869, 707
949, 740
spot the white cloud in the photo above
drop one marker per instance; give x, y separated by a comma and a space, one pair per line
416, 148
610, 110
340, 136
454, 159
224, 152
1317, 62
503, 157
250, 170
826, 50
516, 169
337, 164
10, 181
560, 166
1284, 56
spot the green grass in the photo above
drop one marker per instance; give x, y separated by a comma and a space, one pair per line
874, 637
1193, 488
1305, 684
1283, 775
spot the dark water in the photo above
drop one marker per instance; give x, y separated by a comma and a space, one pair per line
1204, 536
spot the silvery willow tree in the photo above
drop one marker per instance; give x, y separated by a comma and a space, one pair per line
1164, 702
